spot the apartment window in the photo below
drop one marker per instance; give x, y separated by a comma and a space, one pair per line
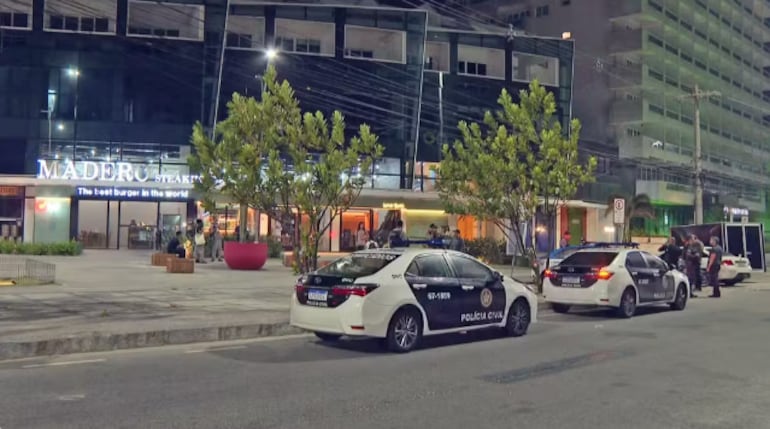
654, 40
527, 67
542, 11
384, 45
165, 20
655, 5
65, 15
14, 20
479, 61
657, 109
245, 32
437, 56
632, 132
477, 69
654, 74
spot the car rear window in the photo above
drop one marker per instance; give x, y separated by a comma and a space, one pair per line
358, 265
590, 259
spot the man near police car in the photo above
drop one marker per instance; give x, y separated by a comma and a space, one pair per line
714, 264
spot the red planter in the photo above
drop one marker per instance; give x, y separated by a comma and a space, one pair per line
245, 256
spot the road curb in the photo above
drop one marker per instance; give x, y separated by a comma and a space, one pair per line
102, 342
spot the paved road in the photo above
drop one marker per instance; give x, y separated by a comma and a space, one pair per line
706, 367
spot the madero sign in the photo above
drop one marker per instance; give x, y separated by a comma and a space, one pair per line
107, 172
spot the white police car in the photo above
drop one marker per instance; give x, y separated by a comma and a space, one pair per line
614, 277
402, 294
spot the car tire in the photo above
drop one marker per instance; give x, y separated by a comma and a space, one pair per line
519, 318
680, 300
627, 307
404, 331
328, 338
560, 308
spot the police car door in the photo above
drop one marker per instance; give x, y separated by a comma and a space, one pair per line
641, 275
483, 293
663, 276
435, 289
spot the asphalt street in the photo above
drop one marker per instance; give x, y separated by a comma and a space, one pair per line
705, 367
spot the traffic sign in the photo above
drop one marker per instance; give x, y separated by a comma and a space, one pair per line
619, 211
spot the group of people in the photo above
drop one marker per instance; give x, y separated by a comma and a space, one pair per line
435, 239
198, 239
689, 258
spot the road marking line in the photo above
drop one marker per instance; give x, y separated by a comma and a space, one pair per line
215, 349
72, 362
75, 397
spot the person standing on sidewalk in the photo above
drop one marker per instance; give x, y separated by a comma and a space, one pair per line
693, 256
714, 264
200, 245
217, 244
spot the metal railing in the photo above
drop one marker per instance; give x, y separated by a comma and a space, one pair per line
23, 270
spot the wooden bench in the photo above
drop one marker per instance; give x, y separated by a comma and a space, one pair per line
159, 259
180, 265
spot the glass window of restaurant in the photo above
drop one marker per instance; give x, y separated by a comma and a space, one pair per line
11, 213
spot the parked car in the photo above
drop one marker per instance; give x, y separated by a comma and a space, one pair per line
618, 277
401, 294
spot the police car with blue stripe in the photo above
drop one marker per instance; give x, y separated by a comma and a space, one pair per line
402, 294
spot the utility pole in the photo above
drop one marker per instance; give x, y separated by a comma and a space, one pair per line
440, 111
696, 96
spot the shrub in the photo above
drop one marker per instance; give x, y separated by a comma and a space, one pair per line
67, 248
487, 249
274, 246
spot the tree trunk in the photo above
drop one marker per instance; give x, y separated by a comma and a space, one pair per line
243, 213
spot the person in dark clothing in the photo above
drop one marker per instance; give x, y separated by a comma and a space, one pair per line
175, 245
693, 256
397, 237
714, 264
671, 253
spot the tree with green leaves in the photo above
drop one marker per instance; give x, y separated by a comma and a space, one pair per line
518, 160
232, 163
637, 207
321, 174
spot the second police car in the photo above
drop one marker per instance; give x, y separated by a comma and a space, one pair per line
620, 277
400, 295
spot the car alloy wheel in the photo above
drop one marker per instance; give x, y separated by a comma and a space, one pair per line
405, 331
519, 318
627, 303
681, 298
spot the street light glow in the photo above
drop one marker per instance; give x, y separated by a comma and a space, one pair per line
73, 72
271, 53
60, 127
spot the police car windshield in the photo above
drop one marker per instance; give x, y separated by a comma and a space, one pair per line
358, 265
590, 259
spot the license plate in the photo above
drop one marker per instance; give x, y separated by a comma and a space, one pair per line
317, 295
571, 280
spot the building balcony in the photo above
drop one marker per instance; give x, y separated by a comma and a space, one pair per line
625, 77
672, 193
619, 9
626, 111
625, 41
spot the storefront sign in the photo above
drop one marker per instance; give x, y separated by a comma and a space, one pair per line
117, 193
736, 211
393, 206
11, 191
107, 172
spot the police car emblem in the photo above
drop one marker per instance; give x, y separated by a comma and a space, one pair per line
486, 298
318, 280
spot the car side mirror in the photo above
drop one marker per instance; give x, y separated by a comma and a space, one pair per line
498, 276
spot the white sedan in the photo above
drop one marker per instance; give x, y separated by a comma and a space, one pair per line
614, 277
734, 269
400, 295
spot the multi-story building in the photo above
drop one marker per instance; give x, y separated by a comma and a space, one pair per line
97, 99
636, 60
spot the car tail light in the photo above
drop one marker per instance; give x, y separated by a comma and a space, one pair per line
549, 274
602, 274
727, 262
353, 290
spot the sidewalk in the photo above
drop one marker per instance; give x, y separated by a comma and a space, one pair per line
109, 300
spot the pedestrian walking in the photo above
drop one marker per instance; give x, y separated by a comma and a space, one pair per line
693, 256
217, 244
714, 264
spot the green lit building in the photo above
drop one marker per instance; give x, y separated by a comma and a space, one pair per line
632, 71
